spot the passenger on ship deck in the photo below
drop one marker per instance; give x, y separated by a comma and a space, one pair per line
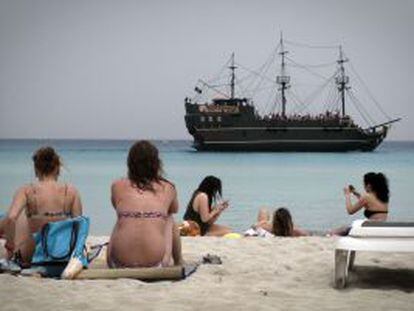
280, 225
205, 207
36, 204
145, 234
324, 118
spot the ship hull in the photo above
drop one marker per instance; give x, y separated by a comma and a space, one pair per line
234, 126
287, 140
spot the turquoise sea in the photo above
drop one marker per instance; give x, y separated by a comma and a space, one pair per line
309, 184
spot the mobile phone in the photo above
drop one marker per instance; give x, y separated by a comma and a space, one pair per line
225, 203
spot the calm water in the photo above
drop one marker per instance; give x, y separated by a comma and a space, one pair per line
309, 184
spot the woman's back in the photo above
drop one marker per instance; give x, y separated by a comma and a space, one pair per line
138, 238
36, 204
50, 201
144, 234
192, 212
375, 209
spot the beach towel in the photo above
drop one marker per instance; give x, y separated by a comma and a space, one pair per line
259, 232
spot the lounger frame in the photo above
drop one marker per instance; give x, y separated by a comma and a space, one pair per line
346, 248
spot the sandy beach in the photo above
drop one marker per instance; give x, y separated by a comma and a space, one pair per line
256, 274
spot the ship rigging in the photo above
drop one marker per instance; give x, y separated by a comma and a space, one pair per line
223, 116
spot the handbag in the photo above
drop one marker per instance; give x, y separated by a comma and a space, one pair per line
58, 242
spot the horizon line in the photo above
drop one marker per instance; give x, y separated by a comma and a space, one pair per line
140, 138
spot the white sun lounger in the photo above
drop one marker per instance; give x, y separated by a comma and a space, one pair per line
370, 236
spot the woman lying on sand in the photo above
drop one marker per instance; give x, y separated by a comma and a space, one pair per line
281, 225
145, 234
374, 201
204, 209
36, 204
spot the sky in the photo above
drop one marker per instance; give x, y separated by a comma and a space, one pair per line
85, 69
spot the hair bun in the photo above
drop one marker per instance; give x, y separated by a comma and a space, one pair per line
380, 175
48, 154
46, 161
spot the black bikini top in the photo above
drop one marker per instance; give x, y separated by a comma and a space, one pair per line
368, 213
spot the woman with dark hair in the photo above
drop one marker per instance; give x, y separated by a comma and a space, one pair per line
34, 205
204, 207
281, 224
145, 234
375, 199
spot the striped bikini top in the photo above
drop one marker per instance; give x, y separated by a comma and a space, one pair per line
138, 214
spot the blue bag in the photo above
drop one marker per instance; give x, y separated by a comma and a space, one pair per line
59, 241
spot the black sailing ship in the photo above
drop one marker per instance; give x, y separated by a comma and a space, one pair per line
228, 122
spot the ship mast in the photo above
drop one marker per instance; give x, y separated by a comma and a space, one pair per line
283, 79
342, 79
232, 67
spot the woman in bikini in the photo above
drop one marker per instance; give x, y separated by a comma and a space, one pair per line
204, 209
375, 199
280, 225
34, 205
145, 234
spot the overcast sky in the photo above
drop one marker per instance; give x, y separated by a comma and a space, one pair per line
121, 69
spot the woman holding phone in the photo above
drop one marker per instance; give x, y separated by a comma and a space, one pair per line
205, 207
374, 201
